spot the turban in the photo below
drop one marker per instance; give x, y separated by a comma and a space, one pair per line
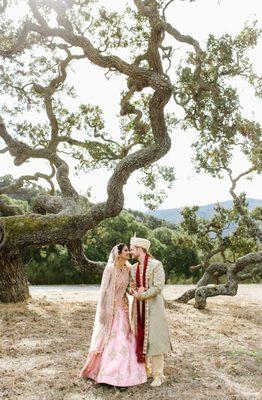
140, 242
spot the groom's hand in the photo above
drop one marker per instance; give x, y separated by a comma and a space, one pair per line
136, 294
141, 289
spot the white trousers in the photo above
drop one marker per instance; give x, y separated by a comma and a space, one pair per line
155, 365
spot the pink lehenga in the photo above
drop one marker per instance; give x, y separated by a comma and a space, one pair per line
112, 354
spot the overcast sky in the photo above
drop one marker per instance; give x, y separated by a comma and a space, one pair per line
198, 19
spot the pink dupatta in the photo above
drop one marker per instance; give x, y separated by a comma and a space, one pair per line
103, 318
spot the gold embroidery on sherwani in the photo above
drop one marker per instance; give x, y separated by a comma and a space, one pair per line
146, 305
146, 314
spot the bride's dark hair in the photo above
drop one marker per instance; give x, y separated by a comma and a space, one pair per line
120, 247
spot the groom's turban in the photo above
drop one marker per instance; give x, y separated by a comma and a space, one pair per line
140, 242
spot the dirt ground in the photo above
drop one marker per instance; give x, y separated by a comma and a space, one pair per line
217, 351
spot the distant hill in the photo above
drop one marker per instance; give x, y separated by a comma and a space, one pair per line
151, 221
173, 215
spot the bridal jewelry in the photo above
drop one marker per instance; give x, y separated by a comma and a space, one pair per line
119, 265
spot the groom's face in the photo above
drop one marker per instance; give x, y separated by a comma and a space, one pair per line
134, 252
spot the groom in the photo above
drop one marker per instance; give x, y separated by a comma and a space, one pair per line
148, 309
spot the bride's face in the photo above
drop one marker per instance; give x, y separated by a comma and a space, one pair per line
125, 253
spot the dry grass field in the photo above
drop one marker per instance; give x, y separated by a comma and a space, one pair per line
217, 351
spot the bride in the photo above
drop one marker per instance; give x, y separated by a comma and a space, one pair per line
112, 353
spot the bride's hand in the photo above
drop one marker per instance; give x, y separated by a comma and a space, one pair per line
141, 289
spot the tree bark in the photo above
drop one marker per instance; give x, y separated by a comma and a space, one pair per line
203, 289
13, 279
80, 261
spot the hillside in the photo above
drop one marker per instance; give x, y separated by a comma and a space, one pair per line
173, 215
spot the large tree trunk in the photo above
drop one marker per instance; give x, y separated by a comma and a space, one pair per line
13, 279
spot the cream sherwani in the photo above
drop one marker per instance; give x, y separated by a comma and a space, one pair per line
157, 339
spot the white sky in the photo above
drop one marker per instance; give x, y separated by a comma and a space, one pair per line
198, 19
